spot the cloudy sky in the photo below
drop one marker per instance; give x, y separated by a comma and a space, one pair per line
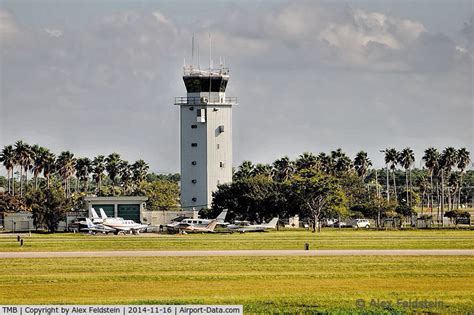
97, 77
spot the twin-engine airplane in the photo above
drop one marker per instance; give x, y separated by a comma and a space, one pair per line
97, 227
199, 229
184, 224
121, 225
107, 225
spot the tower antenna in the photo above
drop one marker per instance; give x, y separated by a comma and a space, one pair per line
192, 53
210, 52
199, 63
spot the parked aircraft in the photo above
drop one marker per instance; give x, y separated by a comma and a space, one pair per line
97, 228
197, 222
95, 217
121, 225
199, 229
245, 226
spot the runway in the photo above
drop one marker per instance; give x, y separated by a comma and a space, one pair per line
217, 253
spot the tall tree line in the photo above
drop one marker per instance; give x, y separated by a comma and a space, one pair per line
75, 174
440, 184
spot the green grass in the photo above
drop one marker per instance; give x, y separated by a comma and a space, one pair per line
261, 284
327, 239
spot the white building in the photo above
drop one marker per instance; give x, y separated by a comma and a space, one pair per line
206, 135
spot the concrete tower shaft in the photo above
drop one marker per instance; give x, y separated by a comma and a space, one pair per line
206, 135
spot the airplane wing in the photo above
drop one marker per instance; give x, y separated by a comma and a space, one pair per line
123, 228
182, 225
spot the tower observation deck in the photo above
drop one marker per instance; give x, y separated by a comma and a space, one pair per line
206, 135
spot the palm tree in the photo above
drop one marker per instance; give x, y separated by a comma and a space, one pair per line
391, 159
38, 161
362, 164
98, 165
112, 166
283, 169
49, 165
125, 175
463, 162
341, 162
244, 171
324, 162
453, 186
423, 184
139, 169
447, 161
306, 160
406, 158
7, 157
83, 168
23, 154
65, 165
262, 170
431, 158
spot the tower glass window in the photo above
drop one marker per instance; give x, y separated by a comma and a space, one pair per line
203, 83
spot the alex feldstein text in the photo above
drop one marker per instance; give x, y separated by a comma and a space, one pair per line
120, 309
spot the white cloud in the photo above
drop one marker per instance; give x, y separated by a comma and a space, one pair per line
54, 32
367, 38
161, 18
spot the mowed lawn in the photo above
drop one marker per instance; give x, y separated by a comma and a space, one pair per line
327, 239
261, 284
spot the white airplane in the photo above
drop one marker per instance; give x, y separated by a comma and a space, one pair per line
198, 222
245, 226
97, 228
199, 229
95, 217
121, 225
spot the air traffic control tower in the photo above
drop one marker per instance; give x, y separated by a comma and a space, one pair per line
206, 135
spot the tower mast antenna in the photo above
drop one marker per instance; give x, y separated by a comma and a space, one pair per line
210, 66
210, 52
192, 53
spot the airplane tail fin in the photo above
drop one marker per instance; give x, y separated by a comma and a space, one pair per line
89, 223
221, 217
273, 223
94, 214
102, 214
211, 226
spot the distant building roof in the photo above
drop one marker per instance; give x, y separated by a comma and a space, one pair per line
116, 198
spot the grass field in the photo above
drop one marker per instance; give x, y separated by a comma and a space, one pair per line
261, 284
327, 239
